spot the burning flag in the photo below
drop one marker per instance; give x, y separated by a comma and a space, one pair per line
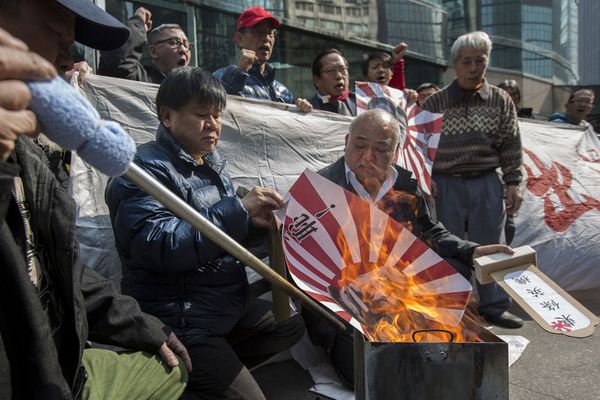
365, 266
423, 128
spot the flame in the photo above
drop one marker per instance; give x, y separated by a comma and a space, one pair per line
392, 306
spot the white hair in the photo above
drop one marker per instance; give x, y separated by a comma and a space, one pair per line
478, 40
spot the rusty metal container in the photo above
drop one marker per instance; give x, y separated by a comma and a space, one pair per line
431, 371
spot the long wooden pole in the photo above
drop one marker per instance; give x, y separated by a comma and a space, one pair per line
184, 211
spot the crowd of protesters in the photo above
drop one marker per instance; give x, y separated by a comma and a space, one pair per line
185, 316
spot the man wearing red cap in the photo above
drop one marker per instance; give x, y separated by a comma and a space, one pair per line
253, 76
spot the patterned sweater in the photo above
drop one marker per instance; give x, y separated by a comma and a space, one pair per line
479, 132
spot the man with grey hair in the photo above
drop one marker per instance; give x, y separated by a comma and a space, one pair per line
169, 48
479, 135
367, 170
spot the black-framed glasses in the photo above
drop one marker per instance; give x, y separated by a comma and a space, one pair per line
175, 43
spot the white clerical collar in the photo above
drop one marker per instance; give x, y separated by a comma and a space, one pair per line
360, 190
323, 97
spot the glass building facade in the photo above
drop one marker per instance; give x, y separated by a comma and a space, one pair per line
423, 25
534, 37
537, 37
589, 50
355, 27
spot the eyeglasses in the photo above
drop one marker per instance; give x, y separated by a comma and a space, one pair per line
583, 101
262, 32
341, 69
175, 43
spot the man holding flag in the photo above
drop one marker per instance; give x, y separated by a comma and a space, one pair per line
367, 170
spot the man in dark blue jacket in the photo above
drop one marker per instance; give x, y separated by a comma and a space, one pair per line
253, 76
179, 275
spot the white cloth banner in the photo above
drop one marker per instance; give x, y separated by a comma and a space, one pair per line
560, 215
270, 144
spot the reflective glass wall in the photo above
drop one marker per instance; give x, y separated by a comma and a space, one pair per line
537, 37
343, 24
421, 24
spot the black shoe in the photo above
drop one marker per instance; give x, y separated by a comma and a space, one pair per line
505, 320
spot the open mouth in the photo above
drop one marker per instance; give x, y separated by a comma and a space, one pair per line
340, 86
381, 79
265, 49
181, 62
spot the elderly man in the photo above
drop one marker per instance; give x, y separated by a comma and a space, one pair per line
331, 79
367, 170
169, 48
253, 76
479, 134
179, 275
51, 304
577, 108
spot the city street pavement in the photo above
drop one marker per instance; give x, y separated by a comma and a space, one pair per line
551, 367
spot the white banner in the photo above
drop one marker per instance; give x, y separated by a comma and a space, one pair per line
560, 215
270, 144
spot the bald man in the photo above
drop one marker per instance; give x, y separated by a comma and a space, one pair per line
367, 170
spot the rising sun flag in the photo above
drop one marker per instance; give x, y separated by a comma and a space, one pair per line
366, 267
423, 128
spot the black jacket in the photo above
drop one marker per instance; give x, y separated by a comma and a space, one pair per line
36, 365
174, 271
343, 107
125, 62
412, 212
408, 207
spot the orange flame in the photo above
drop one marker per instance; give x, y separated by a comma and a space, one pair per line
391, 306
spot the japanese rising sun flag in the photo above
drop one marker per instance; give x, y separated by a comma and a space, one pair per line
364, 266
423, 128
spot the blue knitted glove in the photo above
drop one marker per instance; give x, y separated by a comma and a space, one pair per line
69, 120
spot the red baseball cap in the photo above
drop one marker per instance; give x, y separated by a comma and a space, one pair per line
253, 16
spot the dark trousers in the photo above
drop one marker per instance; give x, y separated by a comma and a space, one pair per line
475, 206
220, 363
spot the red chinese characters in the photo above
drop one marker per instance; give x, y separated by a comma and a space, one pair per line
557, 179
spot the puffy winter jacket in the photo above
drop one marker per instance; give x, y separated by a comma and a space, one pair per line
174, 271
253, 84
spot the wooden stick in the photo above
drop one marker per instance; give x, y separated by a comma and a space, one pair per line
184, 211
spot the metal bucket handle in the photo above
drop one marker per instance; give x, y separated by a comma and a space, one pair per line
414, 338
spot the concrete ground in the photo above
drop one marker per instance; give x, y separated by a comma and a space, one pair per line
552, 366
